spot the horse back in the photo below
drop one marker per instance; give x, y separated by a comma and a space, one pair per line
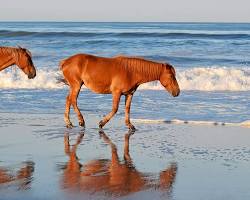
100, 74
87, 62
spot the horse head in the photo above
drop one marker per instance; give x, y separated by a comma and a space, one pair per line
168, 80
25, 63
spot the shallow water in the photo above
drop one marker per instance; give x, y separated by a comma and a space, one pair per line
227, 107
163, 161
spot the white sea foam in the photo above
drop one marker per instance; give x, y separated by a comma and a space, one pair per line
45, 79
215, 78
210, 79
178, 121
197, 78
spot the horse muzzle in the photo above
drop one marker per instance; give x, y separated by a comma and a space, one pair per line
32, 75
176, 93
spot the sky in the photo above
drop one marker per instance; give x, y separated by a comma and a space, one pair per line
126, 10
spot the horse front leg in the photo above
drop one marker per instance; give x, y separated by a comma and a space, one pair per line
128, 100
115, 106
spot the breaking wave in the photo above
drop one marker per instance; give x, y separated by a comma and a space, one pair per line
45, 79
210, 79
198, 78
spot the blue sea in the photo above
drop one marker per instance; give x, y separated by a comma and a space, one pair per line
212, 62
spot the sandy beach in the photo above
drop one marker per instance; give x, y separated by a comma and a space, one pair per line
40, 159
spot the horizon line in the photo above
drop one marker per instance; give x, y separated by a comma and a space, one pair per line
79, 21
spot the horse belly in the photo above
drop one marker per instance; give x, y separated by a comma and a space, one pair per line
97, 86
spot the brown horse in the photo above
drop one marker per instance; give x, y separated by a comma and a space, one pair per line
18, 56
111, 176
118, 76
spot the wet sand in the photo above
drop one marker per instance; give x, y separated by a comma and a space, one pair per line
41, 159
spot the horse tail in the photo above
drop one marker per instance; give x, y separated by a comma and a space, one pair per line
61, 79
62, 62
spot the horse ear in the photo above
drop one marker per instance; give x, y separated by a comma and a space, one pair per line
171, 68
28, 52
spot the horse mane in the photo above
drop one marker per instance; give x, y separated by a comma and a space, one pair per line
148, 68
8, 50
14, 51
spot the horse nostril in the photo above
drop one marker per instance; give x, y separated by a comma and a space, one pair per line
31, 76
176, 94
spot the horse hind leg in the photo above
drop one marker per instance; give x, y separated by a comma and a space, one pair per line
67, 112
74, 96
72, 100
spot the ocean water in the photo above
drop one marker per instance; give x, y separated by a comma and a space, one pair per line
212, 62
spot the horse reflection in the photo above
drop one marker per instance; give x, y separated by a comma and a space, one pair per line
23, 177
113, 177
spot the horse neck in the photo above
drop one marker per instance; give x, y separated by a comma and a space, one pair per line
151, 73
7, 58
142, 70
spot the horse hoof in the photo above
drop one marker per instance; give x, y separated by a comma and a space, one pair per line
132, 128
101, 132
70, 125
101, 124
82, 124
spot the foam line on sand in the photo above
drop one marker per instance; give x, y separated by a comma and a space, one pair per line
178, 121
